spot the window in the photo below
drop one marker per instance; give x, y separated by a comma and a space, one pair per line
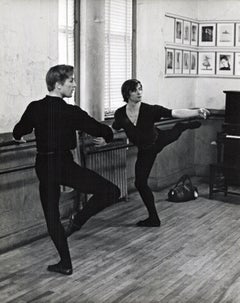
118, 51
66, 34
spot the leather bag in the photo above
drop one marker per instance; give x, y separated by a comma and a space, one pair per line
183, 190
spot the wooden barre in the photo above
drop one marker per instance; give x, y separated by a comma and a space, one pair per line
15, 169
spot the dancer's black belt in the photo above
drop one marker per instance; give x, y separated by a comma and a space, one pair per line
52, 152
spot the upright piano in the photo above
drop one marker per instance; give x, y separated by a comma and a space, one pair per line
227, 169
231, 137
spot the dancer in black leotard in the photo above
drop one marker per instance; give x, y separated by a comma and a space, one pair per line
137, 119
55, 123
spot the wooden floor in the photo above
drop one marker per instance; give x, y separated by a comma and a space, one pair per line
193, 258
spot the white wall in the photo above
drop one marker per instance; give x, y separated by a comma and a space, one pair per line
154, 29
92, 57
152, 33
209, 91
29, 46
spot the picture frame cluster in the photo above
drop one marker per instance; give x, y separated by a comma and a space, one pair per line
204, 48
183, 62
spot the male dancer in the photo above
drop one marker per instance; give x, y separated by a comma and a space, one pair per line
55, 123
137, 119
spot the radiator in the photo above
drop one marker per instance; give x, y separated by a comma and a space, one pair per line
109, 161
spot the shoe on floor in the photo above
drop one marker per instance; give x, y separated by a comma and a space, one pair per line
149, 223
194, 124
59, 268
182, 126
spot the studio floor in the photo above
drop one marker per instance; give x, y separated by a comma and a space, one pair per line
194, 257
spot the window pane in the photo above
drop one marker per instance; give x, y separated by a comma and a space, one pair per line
118, 50
66, 34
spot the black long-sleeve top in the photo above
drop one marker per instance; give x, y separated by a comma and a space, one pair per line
55, 123
144, 133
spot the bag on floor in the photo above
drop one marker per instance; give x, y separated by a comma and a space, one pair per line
183, 190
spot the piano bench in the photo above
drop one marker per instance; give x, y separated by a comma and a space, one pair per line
221, 176
217, 180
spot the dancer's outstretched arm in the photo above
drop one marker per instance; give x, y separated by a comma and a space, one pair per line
190, 113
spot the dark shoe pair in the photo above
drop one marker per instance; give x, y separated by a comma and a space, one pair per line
72, 227
194, 124
188, 125
149, 222
59, 268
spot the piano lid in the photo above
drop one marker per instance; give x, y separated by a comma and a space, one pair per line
232, 91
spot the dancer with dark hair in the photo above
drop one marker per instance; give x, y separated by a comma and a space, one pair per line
137, 119
55, 123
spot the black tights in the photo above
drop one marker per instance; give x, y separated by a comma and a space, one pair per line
145, 161
54, 170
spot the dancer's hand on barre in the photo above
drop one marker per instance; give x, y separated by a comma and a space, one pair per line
99, 141
20, 140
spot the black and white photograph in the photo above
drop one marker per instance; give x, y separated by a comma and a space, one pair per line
178, 62
206, 63
178, 31
187, 32
225, 63
193, 63
207, 34
169, 61
237, 35
194, 33
186, 62
237, 64
119, 151
225, 34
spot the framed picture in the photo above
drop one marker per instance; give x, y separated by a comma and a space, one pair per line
194, 33
237, 37
206, 63
186, 62
178, 31
225, 63
169, 61
225, 34
237, 64
193, 63
178, 61
207, 34
186, 32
